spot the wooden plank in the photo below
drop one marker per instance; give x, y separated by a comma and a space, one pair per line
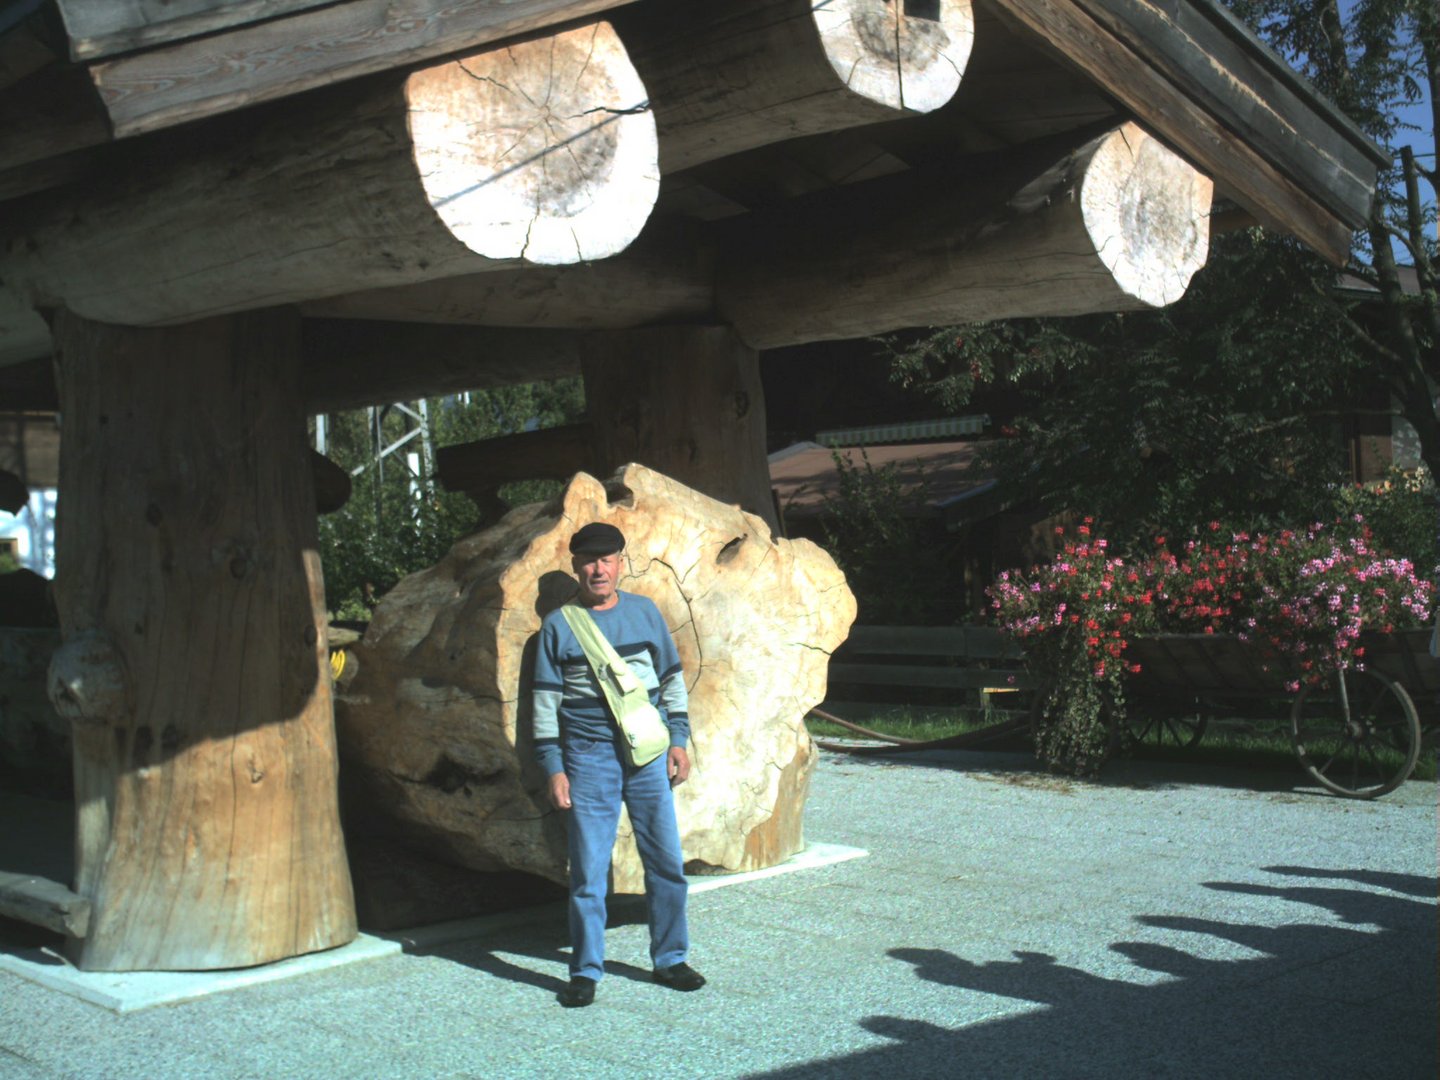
1228, 76
260, 62
41, 902
53, 112
482, 466
916, 675
350, 364
1190, 129
104, 27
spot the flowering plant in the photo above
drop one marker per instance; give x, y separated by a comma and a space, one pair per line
1302, 596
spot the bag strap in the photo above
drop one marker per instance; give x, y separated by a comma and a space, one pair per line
596, 646
598, 652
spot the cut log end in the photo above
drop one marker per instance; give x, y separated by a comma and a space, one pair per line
545, 150
1147, 211
907, 54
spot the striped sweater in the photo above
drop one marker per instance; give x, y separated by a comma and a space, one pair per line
567, 697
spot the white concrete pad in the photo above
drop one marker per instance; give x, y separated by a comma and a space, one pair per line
125, 992
129, 991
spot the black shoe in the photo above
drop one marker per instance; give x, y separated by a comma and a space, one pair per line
578, 993
679, 977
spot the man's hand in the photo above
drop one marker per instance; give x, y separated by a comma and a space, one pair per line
559, 791
677, 766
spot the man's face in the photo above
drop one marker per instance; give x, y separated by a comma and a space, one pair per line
597, 575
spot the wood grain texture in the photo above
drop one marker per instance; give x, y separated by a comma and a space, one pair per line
1114, 223
724, 78
1154, 99
667, 275
401, 180
264, 61
685, 401
41, 902
194, 667
1249, 91
103, 27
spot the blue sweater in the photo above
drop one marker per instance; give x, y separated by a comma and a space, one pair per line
567, 695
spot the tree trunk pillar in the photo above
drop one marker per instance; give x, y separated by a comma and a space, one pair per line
685, 401
194, 667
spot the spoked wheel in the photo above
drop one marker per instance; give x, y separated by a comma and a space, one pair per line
1357, 733
1181, 732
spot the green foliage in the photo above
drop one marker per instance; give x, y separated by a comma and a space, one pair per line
1226, 405
394, 523
8, 562
901, 570
1401, 513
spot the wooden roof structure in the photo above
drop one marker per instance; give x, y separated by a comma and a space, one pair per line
107, 109
217, 216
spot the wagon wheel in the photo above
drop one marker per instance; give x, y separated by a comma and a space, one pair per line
1342, 727
1154, 729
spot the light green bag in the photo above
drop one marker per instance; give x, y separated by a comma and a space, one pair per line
646, 736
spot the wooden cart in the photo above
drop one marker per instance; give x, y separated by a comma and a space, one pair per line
1358, 732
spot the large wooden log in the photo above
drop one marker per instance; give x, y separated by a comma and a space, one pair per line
352, 363
194, 668
1117, 223
481, 467
531, 154
729, 77
263, 59
683, 400
1242, 129
667, 275
436, 730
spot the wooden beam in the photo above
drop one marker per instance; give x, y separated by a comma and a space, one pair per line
275, 58
353, 363
479, 468
667, 275
41, 902
102, 27
194, 668
1260, 99
529, 154
1114, 223
33, 40
1124, 68
730, 77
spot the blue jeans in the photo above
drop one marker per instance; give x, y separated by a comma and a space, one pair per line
599, 781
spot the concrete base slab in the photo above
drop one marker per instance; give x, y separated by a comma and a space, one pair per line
129, 991
125, 992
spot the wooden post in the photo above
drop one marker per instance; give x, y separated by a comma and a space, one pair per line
194, 663
685, 401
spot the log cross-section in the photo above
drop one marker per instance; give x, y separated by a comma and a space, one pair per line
730, 77
539, 152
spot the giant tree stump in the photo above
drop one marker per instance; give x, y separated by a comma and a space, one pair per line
436, 729
194, 668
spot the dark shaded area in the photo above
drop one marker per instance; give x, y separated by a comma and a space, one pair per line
1211, 1017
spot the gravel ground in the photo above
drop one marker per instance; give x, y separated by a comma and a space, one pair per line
1167, 921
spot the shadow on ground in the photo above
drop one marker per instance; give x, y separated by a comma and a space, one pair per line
1360, 999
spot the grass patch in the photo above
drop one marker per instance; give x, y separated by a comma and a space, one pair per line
1229, 741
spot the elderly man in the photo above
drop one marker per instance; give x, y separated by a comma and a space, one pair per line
578, 744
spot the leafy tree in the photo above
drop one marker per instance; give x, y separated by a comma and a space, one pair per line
395, 522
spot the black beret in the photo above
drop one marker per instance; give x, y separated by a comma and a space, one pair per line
597, 538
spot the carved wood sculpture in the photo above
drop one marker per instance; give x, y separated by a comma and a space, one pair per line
534, 153
194, 667
435, 727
